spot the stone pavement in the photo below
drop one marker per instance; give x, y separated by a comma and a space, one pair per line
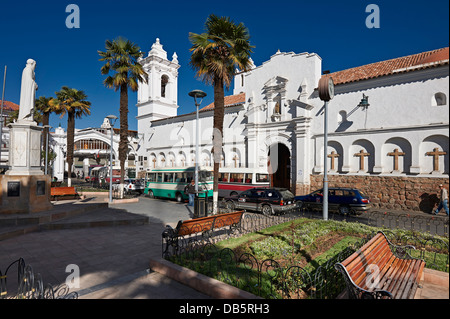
113, 260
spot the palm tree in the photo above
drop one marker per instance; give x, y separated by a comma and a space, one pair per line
14, 115
73, 103
121, 57
216, 54
44, 107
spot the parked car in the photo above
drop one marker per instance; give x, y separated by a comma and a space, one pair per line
133, 185
344, 200
265, 200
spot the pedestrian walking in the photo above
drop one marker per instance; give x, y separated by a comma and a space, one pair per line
443, 200
190, 190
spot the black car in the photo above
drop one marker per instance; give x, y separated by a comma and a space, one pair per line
344, 200
266, 200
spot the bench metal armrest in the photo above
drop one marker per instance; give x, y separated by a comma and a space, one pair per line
400, 251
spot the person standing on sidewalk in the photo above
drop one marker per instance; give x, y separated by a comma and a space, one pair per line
190, 190
443, 200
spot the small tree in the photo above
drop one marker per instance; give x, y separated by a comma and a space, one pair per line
73, 103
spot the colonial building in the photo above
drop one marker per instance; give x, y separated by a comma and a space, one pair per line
92, 148
387, 124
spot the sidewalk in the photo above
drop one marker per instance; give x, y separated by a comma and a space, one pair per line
113, 261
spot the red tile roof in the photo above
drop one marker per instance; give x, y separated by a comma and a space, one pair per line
398, 65
9, 106
229, 101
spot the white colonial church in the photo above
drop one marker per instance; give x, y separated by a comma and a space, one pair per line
388, 124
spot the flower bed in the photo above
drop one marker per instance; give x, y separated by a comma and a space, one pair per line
296, 259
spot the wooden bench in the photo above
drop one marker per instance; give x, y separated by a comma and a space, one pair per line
380, 269
204, 225
63, 193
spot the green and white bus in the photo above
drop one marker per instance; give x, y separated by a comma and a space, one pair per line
171, 182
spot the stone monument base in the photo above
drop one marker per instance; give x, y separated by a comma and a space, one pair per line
25, 194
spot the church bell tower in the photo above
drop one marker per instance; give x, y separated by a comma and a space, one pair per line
157, 99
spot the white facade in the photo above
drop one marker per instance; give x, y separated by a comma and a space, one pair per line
90, 143
401, 115
277, 104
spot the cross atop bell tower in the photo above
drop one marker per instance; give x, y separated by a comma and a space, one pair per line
158, 98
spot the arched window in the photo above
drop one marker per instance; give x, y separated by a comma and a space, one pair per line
277, 109
439, 99
164, 81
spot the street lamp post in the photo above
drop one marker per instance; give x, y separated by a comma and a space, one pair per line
326, 93
197, 94
112, 120
48, 127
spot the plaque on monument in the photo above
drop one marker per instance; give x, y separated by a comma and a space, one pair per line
13, 189
40, 188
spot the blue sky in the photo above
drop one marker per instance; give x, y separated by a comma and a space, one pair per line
335, 30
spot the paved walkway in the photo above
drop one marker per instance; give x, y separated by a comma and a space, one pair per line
113, 261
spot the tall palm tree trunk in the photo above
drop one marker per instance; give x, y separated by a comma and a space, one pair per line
70, 144
217, 137
123, 144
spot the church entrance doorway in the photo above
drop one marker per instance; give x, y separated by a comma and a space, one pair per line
279, 166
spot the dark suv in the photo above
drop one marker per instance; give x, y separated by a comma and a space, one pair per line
344, 200
266, 200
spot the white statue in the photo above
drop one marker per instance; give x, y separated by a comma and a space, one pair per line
28, 92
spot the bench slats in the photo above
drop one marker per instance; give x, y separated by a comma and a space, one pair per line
379, 255
397, 281
398, 276
195, 226
349, 262
224, 220
385, 258
413, 279
60, 191
208, 223
63, 193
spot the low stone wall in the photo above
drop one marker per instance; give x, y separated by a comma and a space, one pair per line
390, 192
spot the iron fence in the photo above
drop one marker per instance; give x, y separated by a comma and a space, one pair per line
436, 225
19, 281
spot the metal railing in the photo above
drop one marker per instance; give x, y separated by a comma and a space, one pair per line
20, 282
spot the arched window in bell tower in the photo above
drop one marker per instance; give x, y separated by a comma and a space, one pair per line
164, 82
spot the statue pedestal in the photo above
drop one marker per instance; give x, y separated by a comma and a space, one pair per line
25, 194
24, 188
25, 148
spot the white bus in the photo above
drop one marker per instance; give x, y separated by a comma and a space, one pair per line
171, 182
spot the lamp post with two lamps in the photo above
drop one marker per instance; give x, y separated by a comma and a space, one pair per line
112, 120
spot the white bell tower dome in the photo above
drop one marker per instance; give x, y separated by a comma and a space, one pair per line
158, 98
